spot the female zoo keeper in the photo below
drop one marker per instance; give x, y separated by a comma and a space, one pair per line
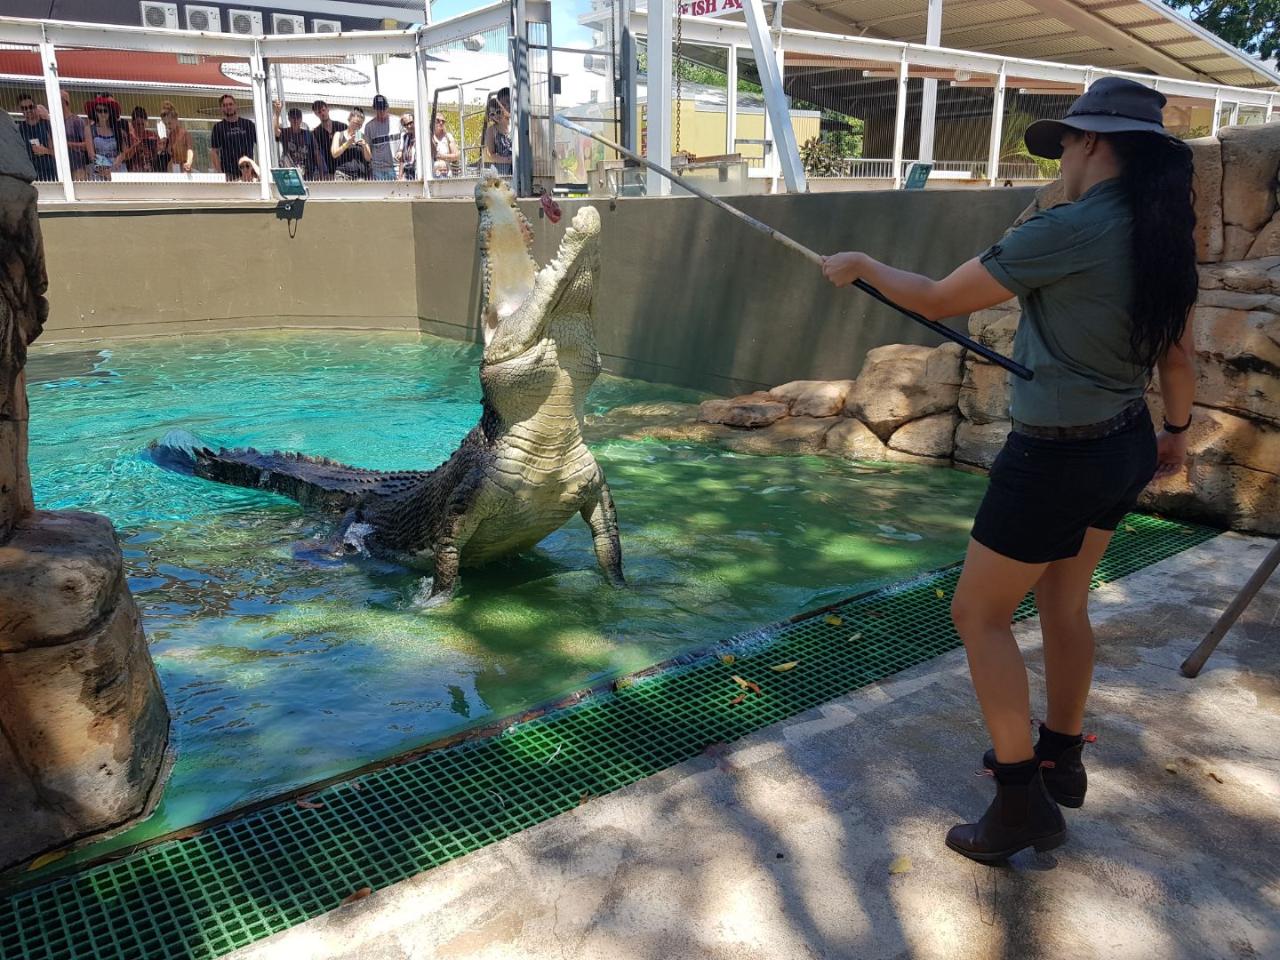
1106, 284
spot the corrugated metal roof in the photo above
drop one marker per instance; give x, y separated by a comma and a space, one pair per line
1136, 35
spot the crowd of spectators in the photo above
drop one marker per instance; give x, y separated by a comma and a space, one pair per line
101, 142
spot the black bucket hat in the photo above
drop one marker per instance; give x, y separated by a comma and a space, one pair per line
1112, 105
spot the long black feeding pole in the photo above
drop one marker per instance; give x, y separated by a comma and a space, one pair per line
1017, 369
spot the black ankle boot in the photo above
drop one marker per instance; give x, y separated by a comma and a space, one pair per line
1062, 760
1022, 815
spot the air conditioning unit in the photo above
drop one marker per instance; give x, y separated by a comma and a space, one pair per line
473, 43
595, 63
326, 26
208, 19
247, 22
287, 23
159, 16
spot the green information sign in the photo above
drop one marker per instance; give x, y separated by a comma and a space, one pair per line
917, 176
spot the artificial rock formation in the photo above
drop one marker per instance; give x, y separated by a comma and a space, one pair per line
83, 723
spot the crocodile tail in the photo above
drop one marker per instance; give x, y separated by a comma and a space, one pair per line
312, 481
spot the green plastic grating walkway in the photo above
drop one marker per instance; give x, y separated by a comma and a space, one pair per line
240, 881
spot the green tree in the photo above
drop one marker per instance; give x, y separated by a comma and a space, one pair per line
1251, 25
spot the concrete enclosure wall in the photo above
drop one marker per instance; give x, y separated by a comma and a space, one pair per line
689, 295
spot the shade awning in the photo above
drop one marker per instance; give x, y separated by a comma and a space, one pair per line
1135, 35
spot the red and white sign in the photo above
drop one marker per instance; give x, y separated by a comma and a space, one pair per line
709, 8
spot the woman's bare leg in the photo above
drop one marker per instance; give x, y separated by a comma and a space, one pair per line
991, 587
1062, 599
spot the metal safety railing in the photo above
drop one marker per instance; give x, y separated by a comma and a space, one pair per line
115, 112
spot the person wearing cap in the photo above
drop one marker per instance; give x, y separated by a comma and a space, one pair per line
297, 145
381, 140
1106, 284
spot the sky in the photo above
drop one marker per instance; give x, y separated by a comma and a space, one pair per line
565, 30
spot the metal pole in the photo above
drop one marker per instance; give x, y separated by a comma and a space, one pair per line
731, 101
1192, 665
929, 100
1217, 111
997, 128
1266, 117
775, 100
522, 152
421, 97
900, 121
629, 106
57, 120
262, 114
658, 96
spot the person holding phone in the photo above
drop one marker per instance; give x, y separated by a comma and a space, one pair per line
353, 157
39, 137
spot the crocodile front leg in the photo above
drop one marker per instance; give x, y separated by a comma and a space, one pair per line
463, 515
599, 512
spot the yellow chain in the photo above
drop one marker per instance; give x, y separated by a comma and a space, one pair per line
679, 77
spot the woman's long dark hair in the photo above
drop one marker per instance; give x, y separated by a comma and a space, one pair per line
1157, 177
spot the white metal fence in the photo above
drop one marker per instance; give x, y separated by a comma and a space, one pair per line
125, 112
962, 110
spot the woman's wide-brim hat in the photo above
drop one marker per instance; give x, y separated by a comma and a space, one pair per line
1111, 105
111, 103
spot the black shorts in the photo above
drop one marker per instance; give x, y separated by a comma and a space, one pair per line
1044, 494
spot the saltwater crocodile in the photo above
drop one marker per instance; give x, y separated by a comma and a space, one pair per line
522, 472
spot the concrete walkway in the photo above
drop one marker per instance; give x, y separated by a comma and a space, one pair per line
822, 836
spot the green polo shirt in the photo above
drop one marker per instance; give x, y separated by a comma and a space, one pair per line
1070, 267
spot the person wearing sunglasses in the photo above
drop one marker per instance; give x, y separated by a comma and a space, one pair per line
108, 135
446, 158
39, 138
407, 155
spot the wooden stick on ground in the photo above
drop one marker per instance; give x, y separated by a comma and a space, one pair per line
1192, 665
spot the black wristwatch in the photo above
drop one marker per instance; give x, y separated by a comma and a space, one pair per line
1170, 428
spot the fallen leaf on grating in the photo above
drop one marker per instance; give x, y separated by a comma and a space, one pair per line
1130, 528
754, 687
784, 667
832, 619
309, 804
856, 637
737, 700
740, 682
45, 859
623, 683
727, 658
584, 798
900, 865
358, 895
939, 592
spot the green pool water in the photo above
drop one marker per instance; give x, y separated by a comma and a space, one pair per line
279, 672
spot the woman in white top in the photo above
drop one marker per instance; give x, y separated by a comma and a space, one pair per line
445, 155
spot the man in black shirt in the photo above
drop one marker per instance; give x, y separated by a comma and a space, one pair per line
324, 134
39, 137
233, 137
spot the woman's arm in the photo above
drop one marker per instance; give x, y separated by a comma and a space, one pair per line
968, 288
338, 146
1178, 389
366, 149
490, 133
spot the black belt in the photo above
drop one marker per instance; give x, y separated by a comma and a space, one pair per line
1087, 431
